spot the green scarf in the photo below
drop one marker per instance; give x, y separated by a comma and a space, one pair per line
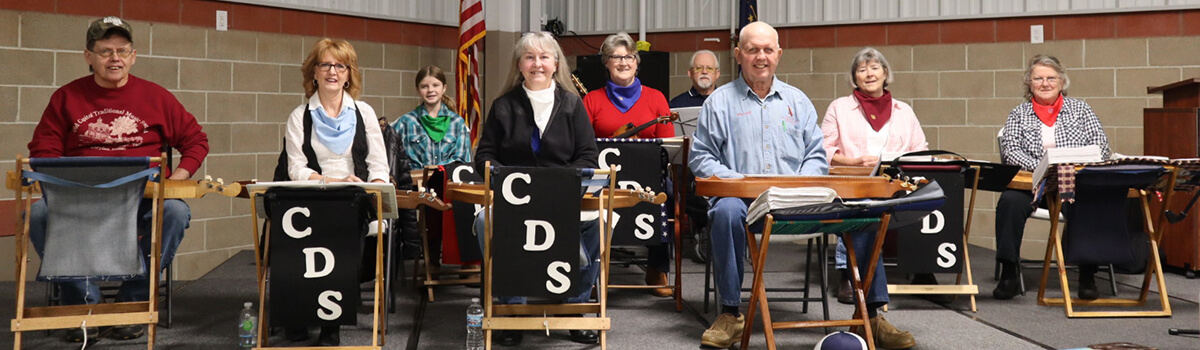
434, 126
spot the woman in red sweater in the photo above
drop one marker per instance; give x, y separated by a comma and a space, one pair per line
625, 101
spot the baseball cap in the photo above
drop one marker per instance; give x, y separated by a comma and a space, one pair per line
100, 27
841, 341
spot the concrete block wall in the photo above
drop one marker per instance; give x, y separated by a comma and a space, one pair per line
964, 77
240, 84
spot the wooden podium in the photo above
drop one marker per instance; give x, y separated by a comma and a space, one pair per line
1174, 131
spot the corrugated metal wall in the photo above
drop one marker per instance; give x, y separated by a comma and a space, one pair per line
443, 12
607, 16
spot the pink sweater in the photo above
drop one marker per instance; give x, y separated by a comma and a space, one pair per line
846, 128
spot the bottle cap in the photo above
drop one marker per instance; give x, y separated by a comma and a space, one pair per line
247, 304
474, 300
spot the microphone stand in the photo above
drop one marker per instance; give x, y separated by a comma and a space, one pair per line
1173, 217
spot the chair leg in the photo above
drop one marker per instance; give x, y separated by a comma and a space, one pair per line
708, 278
808, 248
169, 294
1112, 280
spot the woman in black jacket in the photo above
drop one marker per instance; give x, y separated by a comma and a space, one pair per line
541, 122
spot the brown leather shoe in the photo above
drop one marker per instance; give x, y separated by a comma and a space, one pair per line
887, 336
655, 278
724, 332
845, 291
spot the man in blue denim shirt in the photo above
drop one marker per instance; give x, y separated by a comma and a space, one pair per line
756, 124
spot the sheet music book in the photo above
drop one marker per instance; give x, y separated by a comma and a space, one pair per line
778, 198
388, 190
1061, 155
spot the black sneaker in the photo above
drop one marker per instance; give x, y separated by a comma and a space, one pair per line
127, 332
75, 335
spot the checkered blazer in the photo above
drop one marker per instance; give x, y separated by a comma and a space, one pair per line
1077, 126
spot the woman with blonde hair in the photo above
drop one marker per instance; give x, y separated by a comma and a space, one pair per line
540, 121
333, 137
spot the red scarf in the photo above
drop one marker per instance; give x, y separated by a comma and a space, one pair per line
877, 110
1048, 114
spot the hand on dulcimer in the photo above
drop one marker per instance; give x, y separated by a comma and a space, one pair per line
630, 131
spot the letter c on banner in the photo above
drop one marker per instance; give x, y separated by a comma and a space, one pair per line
531, 236
604, 161
289, 229
506, 189
457, 175
328, 301
564, 283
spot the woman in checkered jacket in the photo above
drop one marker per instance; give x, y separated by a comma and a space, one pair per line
1047, 119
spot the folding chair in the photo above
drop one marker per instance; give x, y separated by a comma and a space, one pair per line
109, 190
804, 222
507, 317
1101, 191
632, 163
818, 242
428, 270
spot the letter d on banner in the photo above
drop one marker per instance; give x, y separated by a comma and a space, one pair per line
310, 262
531, 244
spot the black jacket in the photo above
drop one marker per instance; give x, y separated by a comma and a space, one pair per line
568, 140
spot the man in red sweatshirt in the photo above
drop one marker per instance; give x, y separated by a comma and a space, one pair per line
113, 113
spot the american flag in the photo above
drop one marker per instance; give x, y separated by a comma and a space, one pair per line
470, 47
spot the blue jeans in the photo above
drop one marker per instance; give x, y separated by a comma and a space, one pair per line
176, 218
728, 219
589, 250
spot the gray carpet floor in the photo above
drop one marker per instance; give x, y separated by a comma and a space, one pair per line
205, 313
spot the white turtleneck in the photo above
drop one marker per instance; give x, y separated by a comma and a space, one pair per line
543, 104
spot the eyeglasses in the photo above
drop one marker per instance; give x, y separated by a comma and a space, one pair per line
703, 69
623, 58
340, 68
1047, 80
122, 53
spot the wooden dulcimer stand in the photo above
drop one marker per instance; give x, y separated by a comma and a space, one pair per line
1153, 224
85, 315
385, 208
964, 282
545, 316
846, 187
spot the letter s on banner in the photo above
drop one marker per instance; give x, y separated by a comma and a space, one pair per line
289, 229
564, 283
946, 255
328, 301
506, 189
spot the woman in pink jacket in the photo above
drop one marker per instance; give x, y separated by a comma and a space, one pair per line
859, 127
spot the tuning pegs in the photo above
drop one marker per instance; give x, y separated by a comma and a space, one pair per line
220, 181
207, 177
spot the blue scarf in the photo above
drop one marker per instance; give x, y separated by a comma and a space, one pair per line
624, 96
335, 133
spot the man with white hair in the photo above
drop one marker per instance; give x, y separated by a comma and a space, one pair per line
704, 72
757, 124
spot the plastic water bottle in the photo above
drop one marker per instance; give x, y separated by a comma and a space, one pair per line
474, 325
248, 327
